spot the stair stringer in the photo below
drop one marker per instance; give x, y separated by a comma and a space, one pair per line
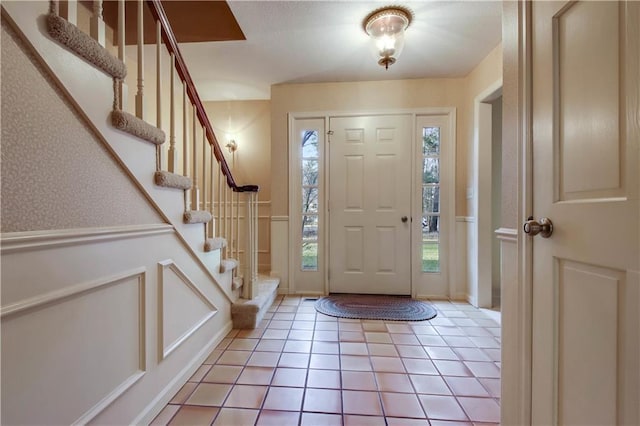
91, 92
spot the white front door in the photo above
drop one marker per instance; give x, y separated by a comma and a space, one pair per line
586, 279
370, 205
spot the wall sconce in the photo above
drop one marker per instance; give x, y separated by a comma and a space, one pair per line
386, 27
232, 146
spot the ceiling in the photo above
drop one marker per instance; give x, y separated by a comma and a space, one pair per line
308, 41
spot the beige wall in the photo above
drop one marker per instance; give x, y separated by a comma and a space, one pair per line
56, 174
483, 75
249, 122
510, 111
353, 96
381, 95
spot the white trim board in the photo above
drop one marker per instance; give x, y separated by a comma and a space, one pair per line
482, 254
17, 241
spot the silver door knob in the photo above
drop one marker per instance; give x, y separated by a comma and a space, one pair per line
533, 227
404, 219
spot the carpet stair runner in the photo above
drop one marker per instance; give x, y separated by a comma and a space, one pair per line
172, 180
248, 313
197, 216
215, 244
228, 265
245, 313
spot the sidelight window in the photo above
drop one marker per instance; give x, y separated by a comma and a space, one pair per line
431, 199
310, 190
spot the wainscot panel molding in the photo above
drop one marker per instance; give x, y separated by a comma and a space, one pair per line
507, 234
89, 299
168, 392
469, 219
458, 287
32, 240
280, 251
177, 314
63, 321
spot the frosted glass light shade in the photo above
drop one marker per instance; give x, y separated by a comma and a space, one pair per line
386, 28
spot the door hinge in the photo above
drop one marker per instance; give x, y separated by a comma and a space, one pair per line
328, 274
328, 205
330, 132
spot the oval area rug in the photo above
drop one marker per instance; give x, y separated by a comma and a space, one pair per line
374, 307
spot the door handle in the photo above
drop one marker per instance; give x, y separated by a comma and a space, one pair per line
404, 219
533, 227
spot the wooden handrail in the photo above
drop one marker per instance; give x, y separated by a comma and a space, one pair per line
158, 13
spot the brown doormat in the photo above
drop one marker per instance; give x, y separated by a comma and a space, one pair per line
373, 307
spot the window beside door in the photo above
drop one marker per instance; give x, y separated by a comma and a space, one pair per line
431, 199
309, 201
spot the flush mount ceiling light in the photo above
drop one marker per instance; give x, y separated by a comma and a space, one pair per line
386, 27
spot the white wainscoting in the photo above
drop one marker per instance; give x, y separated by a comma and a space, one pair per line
176, 290
510, 302
80, 315
459, 277
280, 251
46, 357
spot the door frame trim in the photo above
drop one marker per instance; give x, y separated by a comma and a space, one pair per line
450, 112
481, 263
517, 347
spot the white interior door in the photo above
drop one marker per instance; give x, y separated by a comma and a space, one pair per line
586, 360
370, 205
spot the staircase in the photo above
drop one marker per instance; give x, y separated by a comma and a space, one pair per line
187, 178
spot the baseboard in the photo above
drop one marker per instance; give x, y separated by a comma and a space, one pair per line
310, 293
473, 301
437, 297
459, 297
162, 399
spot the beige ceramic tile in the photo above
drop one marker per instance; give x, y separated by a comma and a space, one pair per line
245, 396
209, 394
401, 405
323, 401
223, 374
277, 418
235, 416
359, 402
194, 416
288, 399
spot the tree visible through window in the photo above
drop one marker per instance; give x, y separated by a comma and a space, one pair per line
431, 199
309, 167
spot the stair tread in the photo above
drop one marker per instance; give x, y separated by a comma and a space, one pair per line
137, 127
228, 265
172, 180
197, 216
236, 283
84, 46
215, 243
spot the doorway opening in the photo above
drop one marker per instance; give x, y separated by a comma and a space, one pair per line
485, 289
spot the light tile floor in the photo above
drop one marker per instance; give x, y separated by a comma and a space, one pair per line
304, 368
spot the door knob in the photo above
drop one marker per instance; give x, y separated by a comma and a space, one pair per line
533, 227
404, 219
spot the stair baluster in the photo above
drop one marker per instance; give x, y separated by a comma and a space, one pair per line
122, 88
140, 34
219, 205
158, 91
69, 11
204, 178
195, 203
237, 236
214, 223
173, 155
97, 23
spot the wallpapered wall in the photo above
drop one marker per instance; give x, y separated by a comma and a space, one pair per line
56, 173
